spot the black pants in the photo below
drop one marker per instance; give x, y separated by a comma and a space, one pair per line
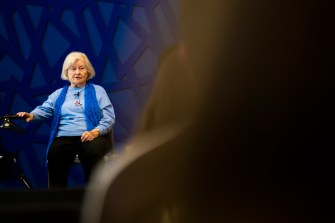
63, 151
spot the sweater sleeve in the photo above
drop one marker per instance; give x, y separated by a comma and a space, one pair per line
107, 110
46, 110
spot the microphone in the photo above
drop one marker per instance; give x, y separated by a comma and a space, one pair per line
76, 94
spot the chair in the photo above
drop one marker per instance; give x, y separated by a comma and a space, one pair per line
76, 176
110, 137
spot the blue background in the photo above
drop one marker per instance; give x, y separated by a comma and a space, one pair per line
123, 40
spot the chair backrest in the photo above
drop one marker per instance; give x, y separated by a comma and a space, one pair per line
110, 137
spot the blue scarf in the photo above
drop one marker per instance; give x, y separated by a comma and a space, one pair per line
92, 111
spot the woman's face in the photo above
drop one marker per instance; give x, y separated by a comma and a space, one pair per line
77, 73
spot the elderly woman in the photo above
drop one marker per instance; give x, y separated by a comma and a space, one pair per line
83, 117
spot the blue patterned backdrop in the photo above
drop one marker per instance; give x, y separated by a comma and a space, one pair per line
122, 38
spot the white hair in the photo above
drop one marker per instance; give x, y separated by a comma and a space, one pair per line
73, 57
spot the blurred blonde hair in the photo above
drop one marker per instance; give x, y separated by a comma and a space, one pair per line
172, 98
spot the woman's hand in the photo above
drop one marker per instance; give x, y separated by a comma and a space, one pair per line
27, 116
89, 135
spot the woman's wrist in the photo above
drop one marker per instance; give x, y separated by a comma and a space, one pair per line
96, 132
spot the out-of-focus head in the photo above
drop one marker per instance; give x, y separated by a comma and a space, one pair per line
258, 150
173, 95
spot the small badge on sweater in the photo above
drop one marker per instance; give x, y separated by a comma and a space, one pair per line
77, 103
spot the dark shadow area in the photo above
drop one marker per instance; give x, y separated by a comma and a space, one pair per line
57, 205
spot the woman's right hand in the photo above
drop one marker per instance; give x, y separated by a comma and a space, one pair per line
27, 116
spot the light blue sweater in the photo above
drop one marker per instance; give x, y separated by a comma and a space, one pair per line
72, 120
